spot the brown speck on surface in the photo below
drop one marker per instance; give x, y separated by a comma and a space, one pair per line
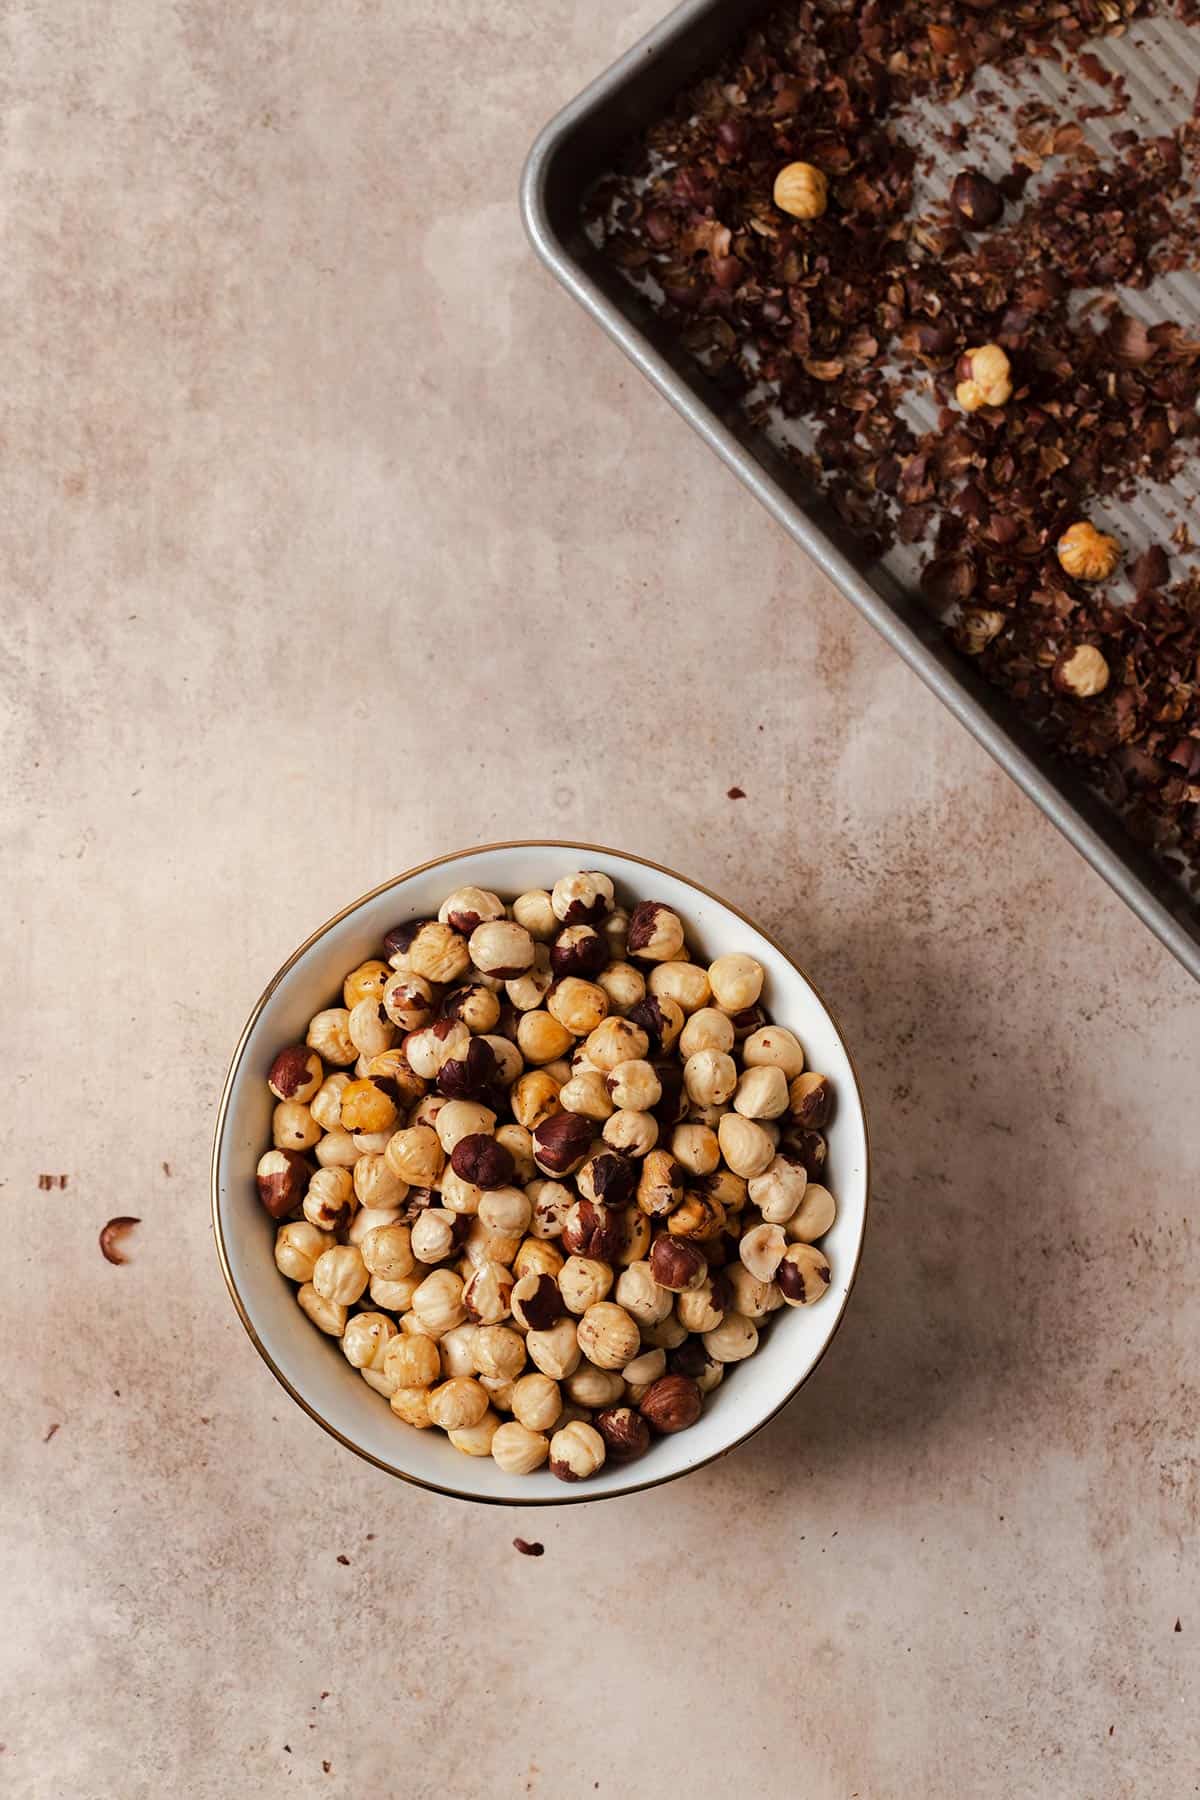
345, 1561
370, 1537
528, 1549
166, 1168
47, 1182
735, 793
50, 1433
288, 1748
327, 1767
1111, 1729
112, 1236
324, 1693
1178, 1625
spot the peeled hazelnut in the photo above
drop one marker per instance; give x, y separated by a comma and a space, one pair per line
535, 911
412, 1405
326, 1105
706, 1029
411, 1360
438, 1303
561, 1143
702, 1308
645, 1368
590, 1386
487, 1294
696, 1147
634, 1084
684, 983
293, 1126
387, 1252
282, 1178
746, 1147
477, 1439
615, 927
395, 1296
631, 1133
623, 986
1088, 554
736, 981
710, 1077
662, 1021
665, 1334
698, 1216
608, 1335
578, 1005
367, 982
507, 1058
339, 1274
337, 1149
458, 1403
761, 1251
672, 1404
297, 1247
444, 1041
586, 1094
535, 1097
753, 1298
536, 1402
771, 1047
482, 1161
367, 1106
555, 1352
517, 1450
438, 953
370, 1218
660, 1185
1081, 671
975, 201
329, 1036
408, 1001
676, 1263
613, 1042
626, 1434
365, 1340
810, 1100
734, 1339
432, 1234
655, 933
582, 899
536, 1302
801, 190
641, 1295
329, 1203
329, 1316
583, 1281
803, 1275
762, 1093
551, 1202
468, 907
984, 378
536, 1257
499, 1352
501, 948
507, 1211
542, 1038
579, 951
813, 1217
576, 1452
415, 1155
529, 990
471, 1075
779, 1189
474, 1006
296, 1074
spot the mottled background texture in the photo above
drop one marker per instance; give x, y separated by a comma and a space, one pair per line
333, 537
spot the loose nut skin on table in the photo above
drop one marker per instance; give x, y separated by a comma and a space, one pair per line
544, 1177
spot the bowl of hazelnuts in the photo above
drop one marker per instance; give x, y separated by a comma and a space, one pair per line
540, 1174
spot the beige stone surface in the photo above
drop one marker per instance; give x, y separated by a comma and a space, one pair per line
334, 536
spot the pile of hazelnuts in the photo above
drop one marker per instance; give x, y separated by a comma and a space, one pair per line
544, 1176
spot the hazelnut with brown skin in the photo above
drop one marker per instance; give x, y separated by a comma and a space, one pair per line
474, 1006
976, 202
468, 907
655, 932
483, 1161
1087, 554
801, 190
582, 899
1081, 671
282, 1178
593, 1229
408, 1001
677, 1263
536, 1302
660, 1185
984, 378
576, 1451
632, 1133
661, 1018
608, 1179
579, 950
296, 1074
501, 948
671, 1404
470, 1072
626, 1434
810, 1100
804, 1274
561, 1143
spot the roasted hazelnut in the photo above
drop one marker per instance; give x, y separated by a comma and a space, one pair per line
753, 1298
542, 1038
635, 1237
693, 1360
529, 990
395, 1296
685, 984
367, 1106
415, 1155
535, 911
645, 1368
456, 1351
536, 1402
438, 1304
444, 1040
340, 1274
536, 1302
576, 1452
631, 1133
437, 953
296, 1074
482, 1161
293, 1126
468, 907
771, 1047
665, 1334
483, 1245
371, 1031
578, 1005
975, 201
365, 1340
387, 1252
329, 1316
367, 982
660, 1184
762, 1093
676, 1263
583, 1281
326, 1105
641, 1295
803, 1274
608, 1178
1087, 554
329, 1036
590, 1386
499, 1352
501, 948
555, 1352
813, 1217
412, 1405
736, 981
411, 1360
477, 1439
634, 1084
779, 1189
582, 899
587, 1094
1081, 671
507, 1210
579, 950
661, 1020
710, 1077
613, 1042
282, 1177
696, 1147
807, 1147
672, 1404
371, 1218
734, 1339
535, 1098
626, 1434
433, 1234
561, 1143
623, 986
761, 1251
474, 1006
337, 1149
472, 1075
706, 1029
297, 1247
408, 1001
551, 1203
984, 378
655, 933
458, 1403
517, 1450
463, 1121
698, 1216
329, 1202
810, 1100
487, 1295
615, 927
608, 1335
801, 190
537, 1257
746, 1147
703, 1307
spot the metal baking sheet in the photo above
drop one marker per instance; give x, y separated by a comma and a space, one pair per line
1160, 62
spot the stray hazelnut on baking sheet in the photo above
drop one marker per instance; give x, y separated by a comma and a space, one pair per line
984, 378
544, 1176
1081, 671
802, 190
1087, 554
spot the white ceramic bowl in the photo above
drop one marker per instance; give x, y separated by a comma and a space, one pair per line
312, 1368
